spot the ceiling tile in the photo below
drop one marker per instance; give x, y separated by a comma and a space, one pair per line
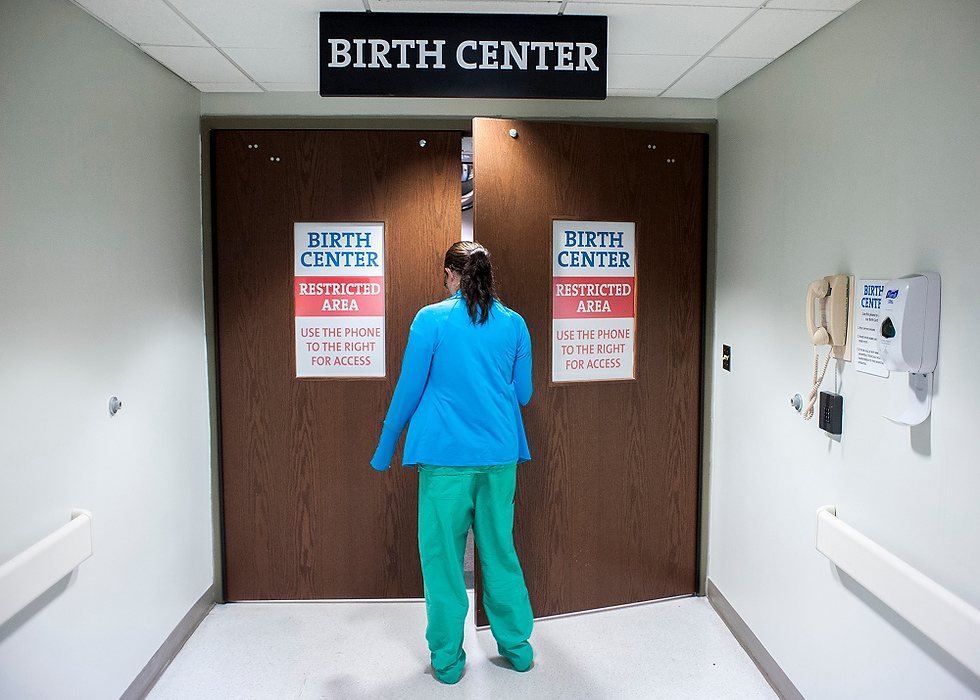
632, 92
512, 7
645, 73
197, 64
694, 3
836, 5
226, 87
664, 29
262, 24
713, 77
771, 33
144, 21
278, 65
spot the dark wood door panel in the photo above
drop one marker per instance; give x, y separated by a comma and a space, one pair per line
304, 515
607, 508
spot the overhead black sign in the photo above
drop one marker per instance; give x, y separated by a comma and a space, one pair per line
399, 54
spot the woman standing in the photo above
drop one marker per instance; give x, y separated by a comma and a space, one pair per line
466, 368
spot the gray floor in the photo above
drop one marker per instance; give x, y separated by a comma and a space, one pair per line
671, 649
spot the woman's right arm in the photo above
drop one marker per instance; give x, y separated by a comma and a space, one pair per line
408, 392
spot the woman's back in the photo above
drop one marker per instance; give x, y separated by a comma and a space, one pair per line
465, 373
478, 376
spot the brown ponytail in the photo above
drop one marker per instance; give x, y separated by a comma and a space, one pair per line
472, 262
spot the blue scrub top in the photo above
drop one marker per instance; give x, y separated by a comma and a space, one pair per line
461, 385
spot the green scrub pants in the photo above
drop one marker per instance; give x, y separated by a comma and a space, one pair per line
451, 500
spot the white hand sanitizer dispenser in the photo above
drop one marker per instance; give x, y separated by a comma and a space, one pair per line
908, 338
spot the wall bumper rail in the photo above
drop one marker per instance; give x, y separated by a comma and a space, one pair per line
949, 621
36, 569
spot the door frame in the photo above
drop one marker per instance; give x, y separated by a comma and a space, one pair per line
463, 124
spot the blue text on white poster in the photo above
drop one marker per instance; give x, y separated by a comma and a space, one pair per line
866, 358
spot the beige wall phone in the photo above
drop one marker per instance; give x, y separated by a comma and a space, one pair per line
828, 300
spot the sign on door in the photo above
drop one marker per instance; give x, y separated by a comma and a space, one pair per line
340, 299
594, 300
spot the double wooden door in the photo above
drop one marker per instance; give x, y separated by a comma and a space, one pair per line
607, 510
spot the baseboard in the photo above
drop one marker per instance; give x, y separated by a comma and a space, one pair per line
158, 663
779, 681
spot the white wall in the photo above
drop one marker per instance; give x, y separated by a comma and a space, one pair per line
305, 104
100, 295
858, 152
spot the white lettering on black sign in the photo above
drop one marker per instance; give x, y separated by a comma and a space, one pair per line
450, 55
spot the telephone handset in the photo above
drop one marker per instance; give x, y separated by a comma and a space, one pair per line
832, 296
834, 289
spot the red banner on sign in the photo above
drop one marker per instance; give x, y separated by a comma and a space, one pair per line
593, 297
340, 296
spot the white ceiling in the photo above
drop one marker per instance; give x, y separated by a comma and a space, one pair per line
670, 48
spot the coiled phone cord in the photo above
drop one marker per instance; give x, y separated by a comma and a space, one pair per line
808, 413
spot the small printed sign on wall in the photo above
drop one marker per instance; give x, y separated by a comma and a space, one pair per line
340, 299
594, 302
866, 358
